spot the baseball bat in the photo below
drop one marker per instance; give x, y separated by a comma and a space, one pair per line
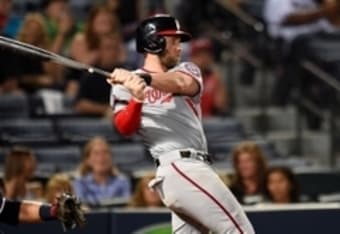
242, 15
34, 50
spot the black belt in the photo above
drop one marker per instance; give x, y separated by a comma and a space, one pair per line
205, 157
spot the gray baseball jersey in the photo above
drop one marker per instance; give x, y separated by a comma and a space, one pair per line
169, 121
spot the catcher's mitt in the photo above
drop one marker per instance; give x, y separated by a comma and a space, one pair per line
69, 211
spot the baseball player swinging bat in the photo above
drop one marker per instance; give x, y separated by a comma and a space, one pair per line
166, 113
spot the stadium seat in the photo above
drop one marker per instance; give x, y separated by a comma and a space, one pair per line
222, 151
48, 104
28, 131
223, 129
314, 184
130, 156
58, 154
14, 106
80, 130
57, 158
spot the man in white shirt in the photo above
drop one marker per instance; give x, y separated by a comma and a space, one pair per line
288, 19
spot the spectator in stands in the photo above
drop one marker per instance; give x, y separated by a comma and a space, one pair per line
57, 185
249, 163
99, 178
144, 196
128, 12
281, 186
34, 73
9, 23
294, 23
94, 91
85, 45
288, 21
19, 168
8, 81
214, 99
61, 27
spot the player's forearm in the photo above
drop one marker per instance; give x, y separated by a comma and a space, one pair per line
35, 212
174, 82
29, 212
14, 212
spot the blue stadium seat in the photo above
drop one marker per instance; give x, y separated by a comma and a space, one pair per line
80, 130
60, 107
52, 159
223, 129
58, 154
129, 157
14, 106
28, 131
314, 184
222, 151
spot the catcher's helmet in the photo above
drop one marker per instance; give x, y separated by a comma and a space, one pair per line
150, 33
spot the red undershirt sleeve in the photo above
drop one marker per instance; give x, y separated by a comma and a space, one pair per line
127, 121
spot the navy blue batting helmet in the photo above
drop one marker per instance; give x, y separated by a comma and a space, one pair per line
150, 33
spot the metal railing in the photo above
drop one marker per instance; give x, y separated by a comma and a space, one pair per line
330, 116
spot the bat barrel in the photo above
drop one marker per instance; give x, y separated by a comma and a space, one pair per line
30, 49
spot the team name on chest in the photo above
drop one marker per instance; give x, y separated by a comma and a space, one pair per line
154, 96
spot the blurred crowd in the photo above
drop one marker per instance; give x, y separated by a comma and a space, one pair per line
98, 182
100, 33
104, 38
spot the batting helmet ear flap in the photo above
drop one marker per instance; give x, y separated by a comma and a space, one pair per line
149, 41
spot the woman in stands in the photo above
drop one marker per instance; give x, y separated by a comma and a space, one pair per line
249, 163
35, 73
19, 168
89, 101
281, 186
85, 46
99, 179
144, 196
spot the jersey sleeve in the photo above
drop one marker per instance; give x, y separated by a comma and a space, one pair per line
193, 71
120, 97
